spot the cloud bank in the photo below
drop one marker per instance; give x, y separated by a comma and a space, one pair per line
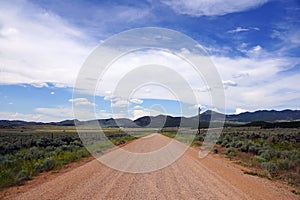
211, 7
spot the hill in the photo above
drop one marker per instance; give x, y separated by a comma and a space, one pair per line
263, 118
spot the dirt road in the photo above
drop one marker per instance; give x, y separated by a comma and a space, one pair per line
187, 178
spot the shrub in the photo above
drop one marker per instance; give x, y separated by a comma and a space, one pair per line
77, 143
233, 143
67, 157
239, 144
82, 153
293, 155
269, 167
37, 167
6, 178
219, 141
9, 161
231, 151
259, 159
255, 148
50, 148
244, 147
33, 154
8, 148
266, 155
69, 147
22, 176
215, 150
48, 164
44, 142
224, 143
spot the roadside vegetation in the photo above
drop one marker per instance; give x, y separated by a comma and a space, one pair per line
24, 153
271, 152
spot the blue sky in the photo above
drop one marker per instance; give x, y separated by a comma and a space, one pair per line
255, 45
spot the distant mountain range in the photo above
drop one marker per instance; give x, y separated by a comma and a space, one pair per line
169, 121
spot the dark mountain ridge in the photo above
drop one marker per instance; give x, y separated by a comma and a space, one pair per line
269, 116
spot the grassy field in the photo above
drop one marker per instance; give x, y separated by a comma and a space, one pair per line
26, 152
272, 153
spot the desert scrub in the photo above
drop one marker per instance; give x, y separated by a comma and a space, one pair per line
48, 164
18, 167
259, 159
286, 164
230, 151
215, 150
269, 167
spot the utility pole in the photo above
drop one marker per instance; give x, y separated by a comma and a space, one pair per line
198, 131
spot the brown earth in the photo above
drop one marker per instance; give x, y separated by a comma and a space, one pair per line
188, 178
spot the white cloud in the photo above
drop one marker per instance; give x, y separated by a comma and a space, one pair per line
103, 114
62, 112
240, 110
203, 89
211, 7
261, 82
254, 52
154, 86
8, 32
240, 75
197, 106
137, 113
138, 107
59, 85
140, 111
257, 48
136, 101
25, 117
241, 29
39, 84
229, 83
120, 103
245, 76
38, 47
52, 93
81, 102
238, 29
41, 115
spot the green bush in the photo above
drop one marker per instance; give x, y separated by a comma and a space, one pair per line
9, 161
239, 144
224, 143
77, 143
269, 167
215, 150
6, 178
82, 153
231, 151
48, 164
37, 167
285, 164
259, 159
255, 148
33, 153
245, 147
266, 155
22, 176
50, 148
